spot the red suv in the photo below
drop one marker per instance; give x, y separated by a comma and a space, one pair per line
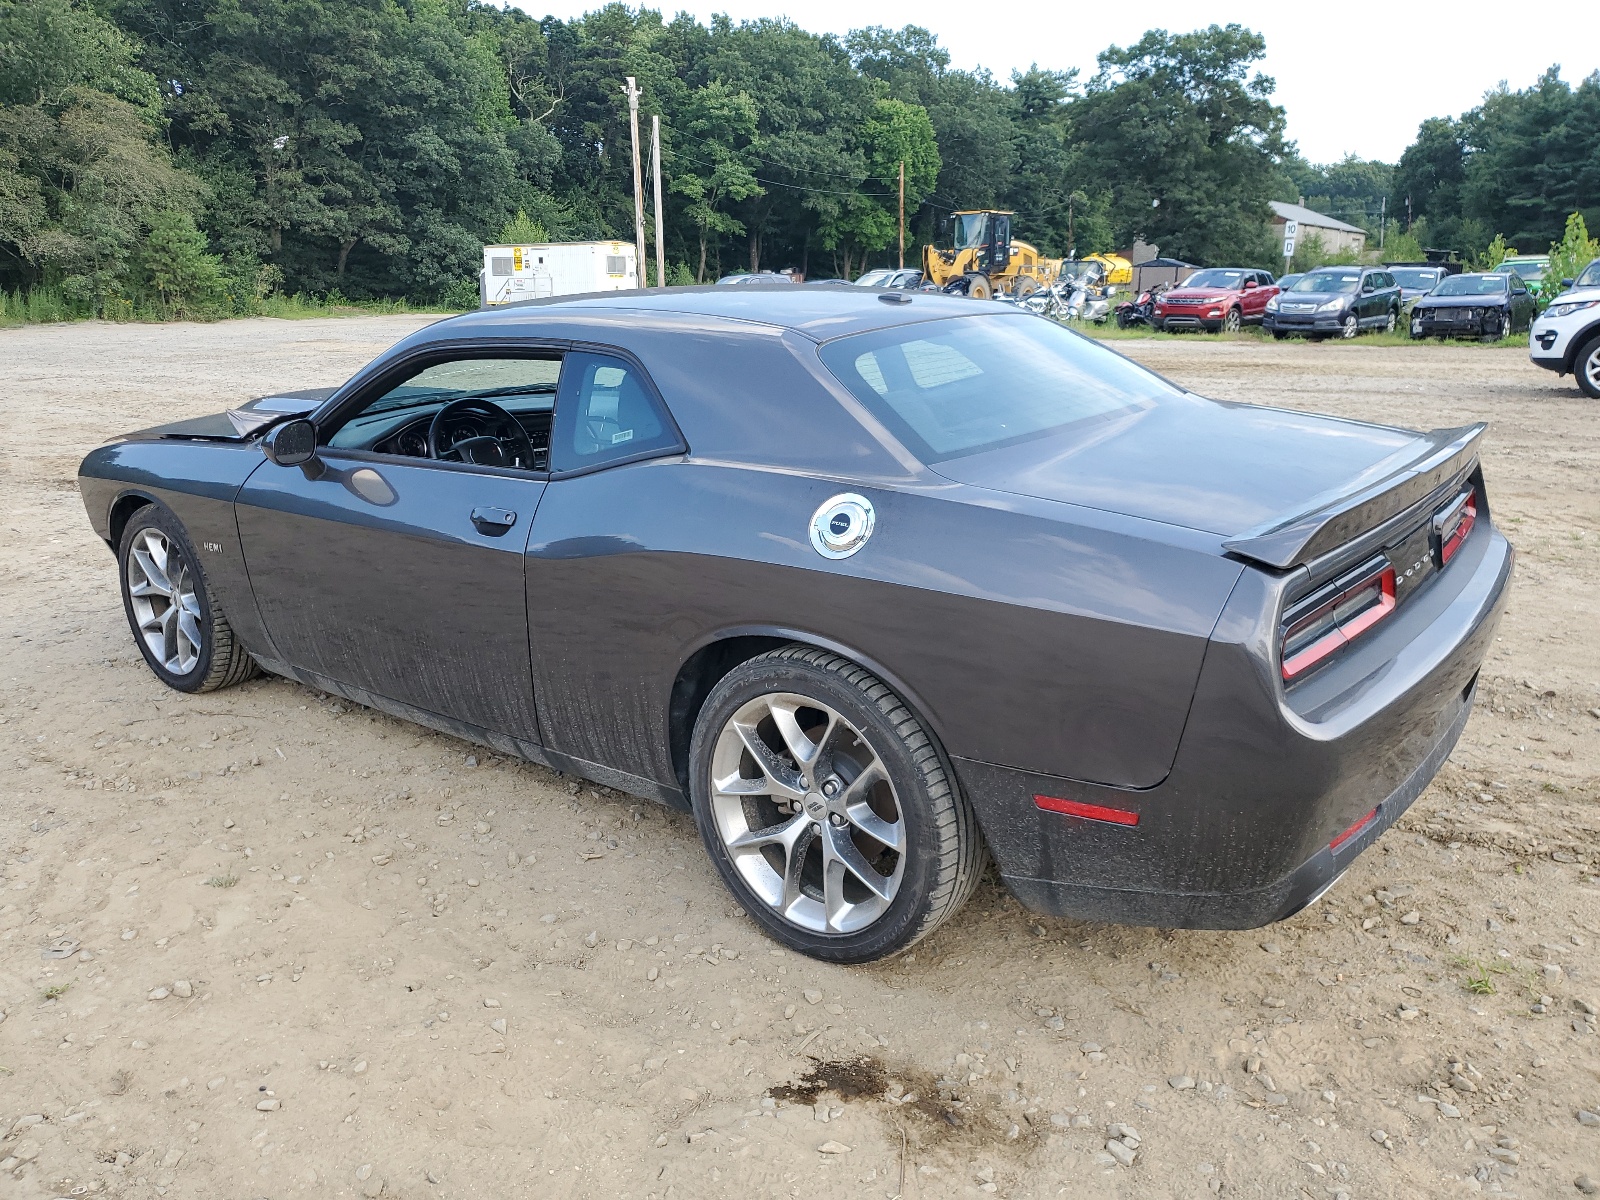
1218, 298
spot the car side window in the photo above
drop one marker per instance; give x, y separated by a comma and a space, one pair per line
500, 399
606, 411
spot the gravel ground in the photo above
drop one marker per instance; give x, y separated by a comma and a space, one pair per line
259, 944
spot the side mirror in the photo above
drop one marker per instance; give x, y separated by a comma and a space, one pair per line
292, 443
1368, 286
1566, 283
1250, 283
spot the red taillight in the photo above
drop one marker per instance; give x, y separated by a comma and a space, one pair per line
1093, 812
1353, 830
1453, 523
1335, 616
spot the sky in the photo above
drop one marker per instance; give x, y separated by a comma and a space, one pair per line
1353, 81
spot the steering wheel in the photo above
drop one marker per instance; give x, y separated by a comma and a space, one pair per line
512, 450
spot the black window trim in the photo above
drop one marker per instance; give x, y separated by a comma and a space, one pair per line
347, 402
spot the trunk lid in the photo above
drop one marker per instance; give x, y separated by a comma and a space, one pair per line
1279, 487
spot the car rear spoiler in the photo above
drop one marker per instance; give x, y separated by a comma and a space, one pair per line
1334, 520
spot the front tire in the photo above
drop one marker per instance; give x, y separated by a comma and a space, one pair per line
828, 809
1350, 327
177, 624
1232, 322
1586, 368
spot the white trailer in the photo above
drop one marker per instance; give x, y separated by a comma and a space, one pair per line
513, 273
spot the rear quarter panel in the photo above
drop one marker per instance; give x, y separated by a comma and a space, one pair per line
1024, 638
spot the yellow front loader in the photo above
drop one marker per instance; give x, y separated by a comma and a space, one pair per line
985, 260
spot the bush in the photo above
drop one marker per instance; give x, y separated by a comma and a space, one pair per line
522, 230
187, 278
1575, 251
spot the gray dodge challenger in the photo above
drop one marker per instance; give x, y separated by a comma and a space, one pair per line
878, 585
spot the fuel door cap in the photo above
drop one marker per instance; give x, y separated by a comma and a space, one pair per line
842, 525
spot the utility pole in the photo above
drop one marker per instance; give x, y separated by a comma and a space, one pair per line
638, 179
655, 168
1383, 215
902, 214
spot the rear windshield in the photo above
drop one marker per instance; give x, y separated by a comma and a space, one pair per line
1530, 269
1414, 277
964, 384
1472, 285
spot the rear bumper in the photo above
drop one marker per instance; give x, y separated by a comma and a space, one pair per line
1242, 832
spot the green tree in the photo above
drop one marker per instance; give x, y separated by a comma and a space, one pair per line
80, 164
1575, 251
711, 167
1187, 139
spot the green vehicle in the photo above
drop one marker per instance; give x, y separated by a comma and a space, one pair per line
1530, 266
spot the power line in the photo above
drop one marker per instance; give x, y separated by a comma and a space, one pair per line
795, 187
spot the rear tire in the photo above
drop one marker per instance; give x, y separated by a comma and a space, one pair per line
828, 809
177, 624
1586, 368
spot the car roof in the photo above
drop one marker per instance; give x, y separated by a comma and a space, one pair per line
816, 313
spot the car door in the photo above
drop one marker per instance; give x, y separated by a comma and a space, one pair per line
1522, 305
611, 429
1373, 299
1255, 298
387, 571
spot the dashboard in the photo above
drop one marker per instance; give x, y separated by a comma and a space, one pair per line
410, 437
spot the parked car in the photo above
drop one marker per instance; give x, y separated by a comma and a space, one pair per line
1587, 278
953, 581
1415, 282
1336, 301
904, 278
1217, 298
1566, 336
750, 277
1285, 282
1490, 305
1531, 267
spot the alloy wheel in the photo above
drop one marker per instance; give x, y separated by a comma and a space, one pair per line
1591, 369
807, 813
1390, 323
1351, 327
161, 586
1230, 323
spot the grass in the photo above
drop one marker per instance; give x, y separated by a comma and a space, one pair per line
222, 881
1480, 976
55, 991
45, 305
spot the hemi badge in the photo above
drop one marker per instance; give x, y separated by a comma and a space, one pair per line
1091, 812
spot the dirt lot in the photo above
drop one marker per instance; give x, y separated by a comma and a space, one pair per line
257, 944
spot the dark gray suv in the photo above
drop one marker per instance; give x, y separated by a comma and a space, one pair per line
1336, 302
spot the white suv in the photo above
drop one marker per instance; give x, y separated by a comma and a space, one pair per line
1566, 337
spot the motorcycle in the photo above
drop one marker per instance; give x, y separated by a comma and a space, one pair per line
1138, 311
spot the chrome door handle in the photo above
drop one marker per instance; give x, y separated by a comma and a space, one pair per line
492, 522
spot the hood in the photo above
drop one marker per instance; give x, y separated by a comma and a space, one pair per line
1432, 301
1219, 468
1314, 297
1201, 293
238, 424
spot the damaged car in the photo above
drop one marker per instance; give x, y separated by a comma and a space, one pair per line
877, 585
